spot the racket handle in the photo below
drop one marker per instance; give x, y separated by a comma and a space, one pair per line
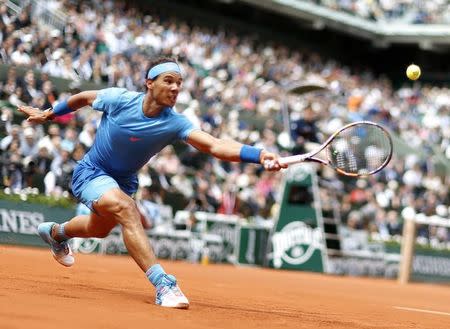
291, 159
285, 160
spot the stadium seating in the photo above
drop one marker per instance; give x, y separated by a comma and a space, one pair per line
228, 78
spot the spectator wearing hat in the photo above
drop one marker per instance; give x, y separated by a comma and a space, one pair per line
29, 146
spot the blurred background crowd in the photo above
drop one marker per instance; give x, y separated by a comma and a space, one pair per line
234, 87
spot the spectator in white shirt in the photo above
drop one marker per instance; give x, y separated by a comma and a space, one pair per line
20, 56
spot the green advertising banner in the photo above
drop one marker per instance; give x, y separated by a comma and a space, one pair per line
363, 256
297, 241
428, 265
19, 221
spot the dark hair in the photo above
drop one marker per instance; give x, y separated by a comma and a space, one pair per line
157, 61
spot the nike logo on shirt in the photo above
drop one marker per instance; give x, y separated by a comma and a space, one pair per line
134, 139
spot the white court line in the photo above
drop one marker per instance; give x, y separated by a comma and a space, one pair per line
420, 310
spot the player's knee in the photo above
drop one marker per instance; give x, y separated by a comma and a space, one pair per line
125, 211
117, 203
119, 207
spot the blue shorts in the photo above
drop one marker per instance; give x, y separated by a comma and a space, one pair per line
89, 183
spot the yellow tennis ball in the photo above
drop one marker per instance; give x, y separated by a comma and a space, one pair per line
413, 72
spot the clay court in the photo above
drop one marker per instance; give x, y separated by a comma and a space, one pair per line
111, 292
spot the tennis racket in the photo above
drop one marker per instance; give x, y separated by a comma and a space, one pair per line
358, 149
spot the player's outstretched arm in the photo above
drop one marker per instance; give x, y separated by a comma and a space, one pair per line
230, 150
71, 104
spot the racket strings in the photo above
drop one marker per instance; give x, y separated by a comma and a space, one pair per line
360, 150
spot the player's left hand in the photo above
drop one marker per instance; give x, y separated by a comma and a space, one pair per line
34, 115
270, 161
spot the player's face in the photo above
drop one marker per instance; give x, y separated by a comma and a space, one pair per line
166, 88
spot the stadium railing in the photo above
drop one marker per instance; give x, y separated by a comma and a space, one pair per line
381, 33
409, 239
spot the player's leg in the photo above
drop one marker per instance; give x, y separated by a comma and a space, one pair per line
57, 235
117, 205
121, 208
111, 206
85, 226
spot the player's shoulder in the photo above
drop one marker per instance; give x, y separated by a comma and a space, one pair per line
122, 96
125, 93
113, 90
113, 99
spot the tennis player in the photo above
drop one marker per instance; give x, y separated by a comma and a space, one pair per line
134, 127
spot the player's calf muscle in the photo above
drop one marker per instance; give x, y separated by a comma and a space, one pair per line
99, 231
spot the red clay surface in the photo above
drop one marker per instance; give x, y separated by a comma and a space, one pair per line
111, 292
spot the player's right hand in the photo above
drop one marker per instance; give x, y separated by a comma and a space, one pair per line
270, 161
34, 114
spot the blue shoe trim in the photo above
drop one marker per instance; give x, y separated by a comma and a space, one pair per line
44, 230
167, 283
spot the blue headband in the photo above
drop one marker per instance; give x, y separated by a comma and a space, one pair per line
163, 68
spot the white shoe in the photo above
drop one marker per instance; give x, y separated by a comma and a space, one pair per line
168, 294
60, 250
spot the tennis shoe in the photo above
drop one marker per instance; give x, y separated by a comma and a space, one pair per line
60, 250
168, 294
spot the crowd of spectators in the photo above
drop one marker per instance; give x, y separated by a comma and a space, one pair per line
227, 77
402, 11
